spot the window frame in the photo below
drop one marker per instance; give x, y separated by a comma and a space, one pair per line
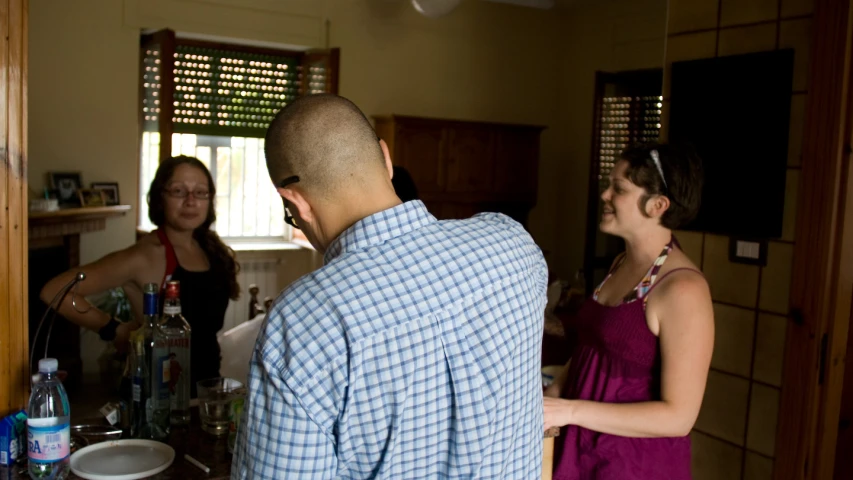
635, 83
167, 43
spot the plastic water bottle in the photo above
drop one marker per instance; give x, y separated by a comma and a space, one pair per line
48, 425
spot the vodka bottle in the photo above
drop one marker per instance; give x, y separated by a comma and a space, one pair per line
175, 367
146, 384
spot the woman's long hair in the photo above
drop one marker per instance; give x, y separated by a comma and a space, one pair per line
221, 256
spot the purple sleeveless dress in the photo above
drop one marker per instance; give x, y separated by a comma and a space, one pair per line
617, 360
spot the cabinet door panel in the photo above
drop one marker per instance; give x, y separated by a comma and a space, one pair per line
516, 154
456, 210
419, 150
470, 160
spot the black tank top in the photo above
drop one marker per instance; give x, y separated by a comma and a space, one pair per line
204, 299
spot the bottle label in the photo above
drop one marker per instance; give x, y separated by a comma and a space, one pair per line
137, 390
47, 444
160, 383
171, 310
166, 367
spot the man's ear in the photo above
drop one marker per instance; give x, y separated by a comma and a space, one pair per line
299, 206
387, 154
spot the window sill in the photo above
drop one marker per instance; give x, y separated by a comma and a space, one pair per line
242, 245
263, 246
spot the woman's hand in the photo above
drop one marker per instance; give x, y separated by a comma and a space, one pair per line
553, 391
123, 332
558, 412
560, 380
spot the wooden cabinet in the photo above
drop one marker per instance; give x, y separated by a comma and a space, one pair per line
470, 160
462, 168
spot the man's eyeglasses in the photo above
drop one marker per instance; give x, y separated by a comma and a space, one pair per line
288, 218
183, 192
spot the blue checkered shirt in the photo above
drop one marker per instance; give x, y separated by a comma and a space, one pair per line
414, 352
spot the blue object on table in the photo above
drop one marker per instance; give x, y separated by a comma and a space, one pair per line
13, 432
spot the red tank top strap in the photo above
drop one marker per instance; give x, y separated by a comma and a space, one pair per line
658, 280
171, 258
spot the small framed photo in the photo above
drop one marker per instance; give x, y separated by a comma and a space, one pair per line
110, 191
92, 197
66, 185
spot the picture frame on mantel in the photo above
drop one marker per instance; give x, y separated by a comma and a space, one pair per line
66, 184
110, 190
92, 197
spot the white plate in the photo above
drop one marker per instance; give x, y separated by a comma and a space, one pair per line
122, 460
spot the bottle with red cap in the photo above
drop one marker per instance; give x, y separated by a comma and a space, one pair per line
174, 362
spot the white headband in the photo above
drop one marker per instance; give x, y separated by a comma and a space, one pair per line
656, 159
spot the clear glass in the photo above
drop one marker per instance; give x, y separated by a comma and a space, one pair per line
214, 403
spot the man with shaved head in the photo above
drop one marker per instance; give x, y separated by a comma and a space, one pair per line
414, 352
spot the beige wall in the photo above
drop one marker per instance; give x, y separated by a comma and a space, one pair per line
736, 431
485, 61
604, 36
83, 104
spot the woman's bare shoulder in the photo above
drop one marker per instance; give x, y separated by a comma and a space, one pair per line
147, 248
686, 277
678, 260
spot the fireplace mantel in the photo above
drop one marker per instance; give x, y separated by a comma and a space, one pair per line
72, 221
49, 229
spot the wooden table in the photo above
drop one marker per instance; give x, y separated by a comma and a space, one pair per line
213, 452
548, 453
207, 449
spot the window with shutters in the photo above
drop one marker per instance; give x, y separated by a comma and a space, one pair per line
625, 120
627, 112
214, 101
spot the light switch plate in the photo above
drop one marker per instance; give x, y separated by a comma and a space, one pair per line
748, 251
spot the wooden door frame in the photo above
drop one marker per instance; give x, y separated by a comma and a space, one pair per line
822, 274
14, 319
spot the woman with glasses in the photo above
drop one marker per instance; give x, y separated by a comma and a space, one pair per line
632, 390
183, 248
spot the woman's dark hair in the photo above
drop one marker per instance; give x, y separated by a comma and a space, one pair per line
404, 186
220, 255
682, 171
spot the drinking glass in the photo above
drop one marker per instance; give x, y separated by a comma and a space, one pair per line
214, 402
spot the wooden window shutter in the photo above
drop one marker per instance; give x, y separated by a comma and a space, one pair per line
210, 88
320, 71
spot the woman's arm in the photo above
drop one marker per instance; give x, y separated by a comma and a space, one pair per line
114, 270
685, 314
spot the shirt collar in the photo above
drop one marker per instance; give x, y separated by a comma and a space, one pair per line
379, 228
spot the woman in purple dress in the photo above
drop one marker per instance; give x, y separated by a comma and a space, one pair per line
632, 390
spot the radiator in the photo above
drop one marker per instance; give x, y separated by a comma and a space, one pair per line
262, 272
